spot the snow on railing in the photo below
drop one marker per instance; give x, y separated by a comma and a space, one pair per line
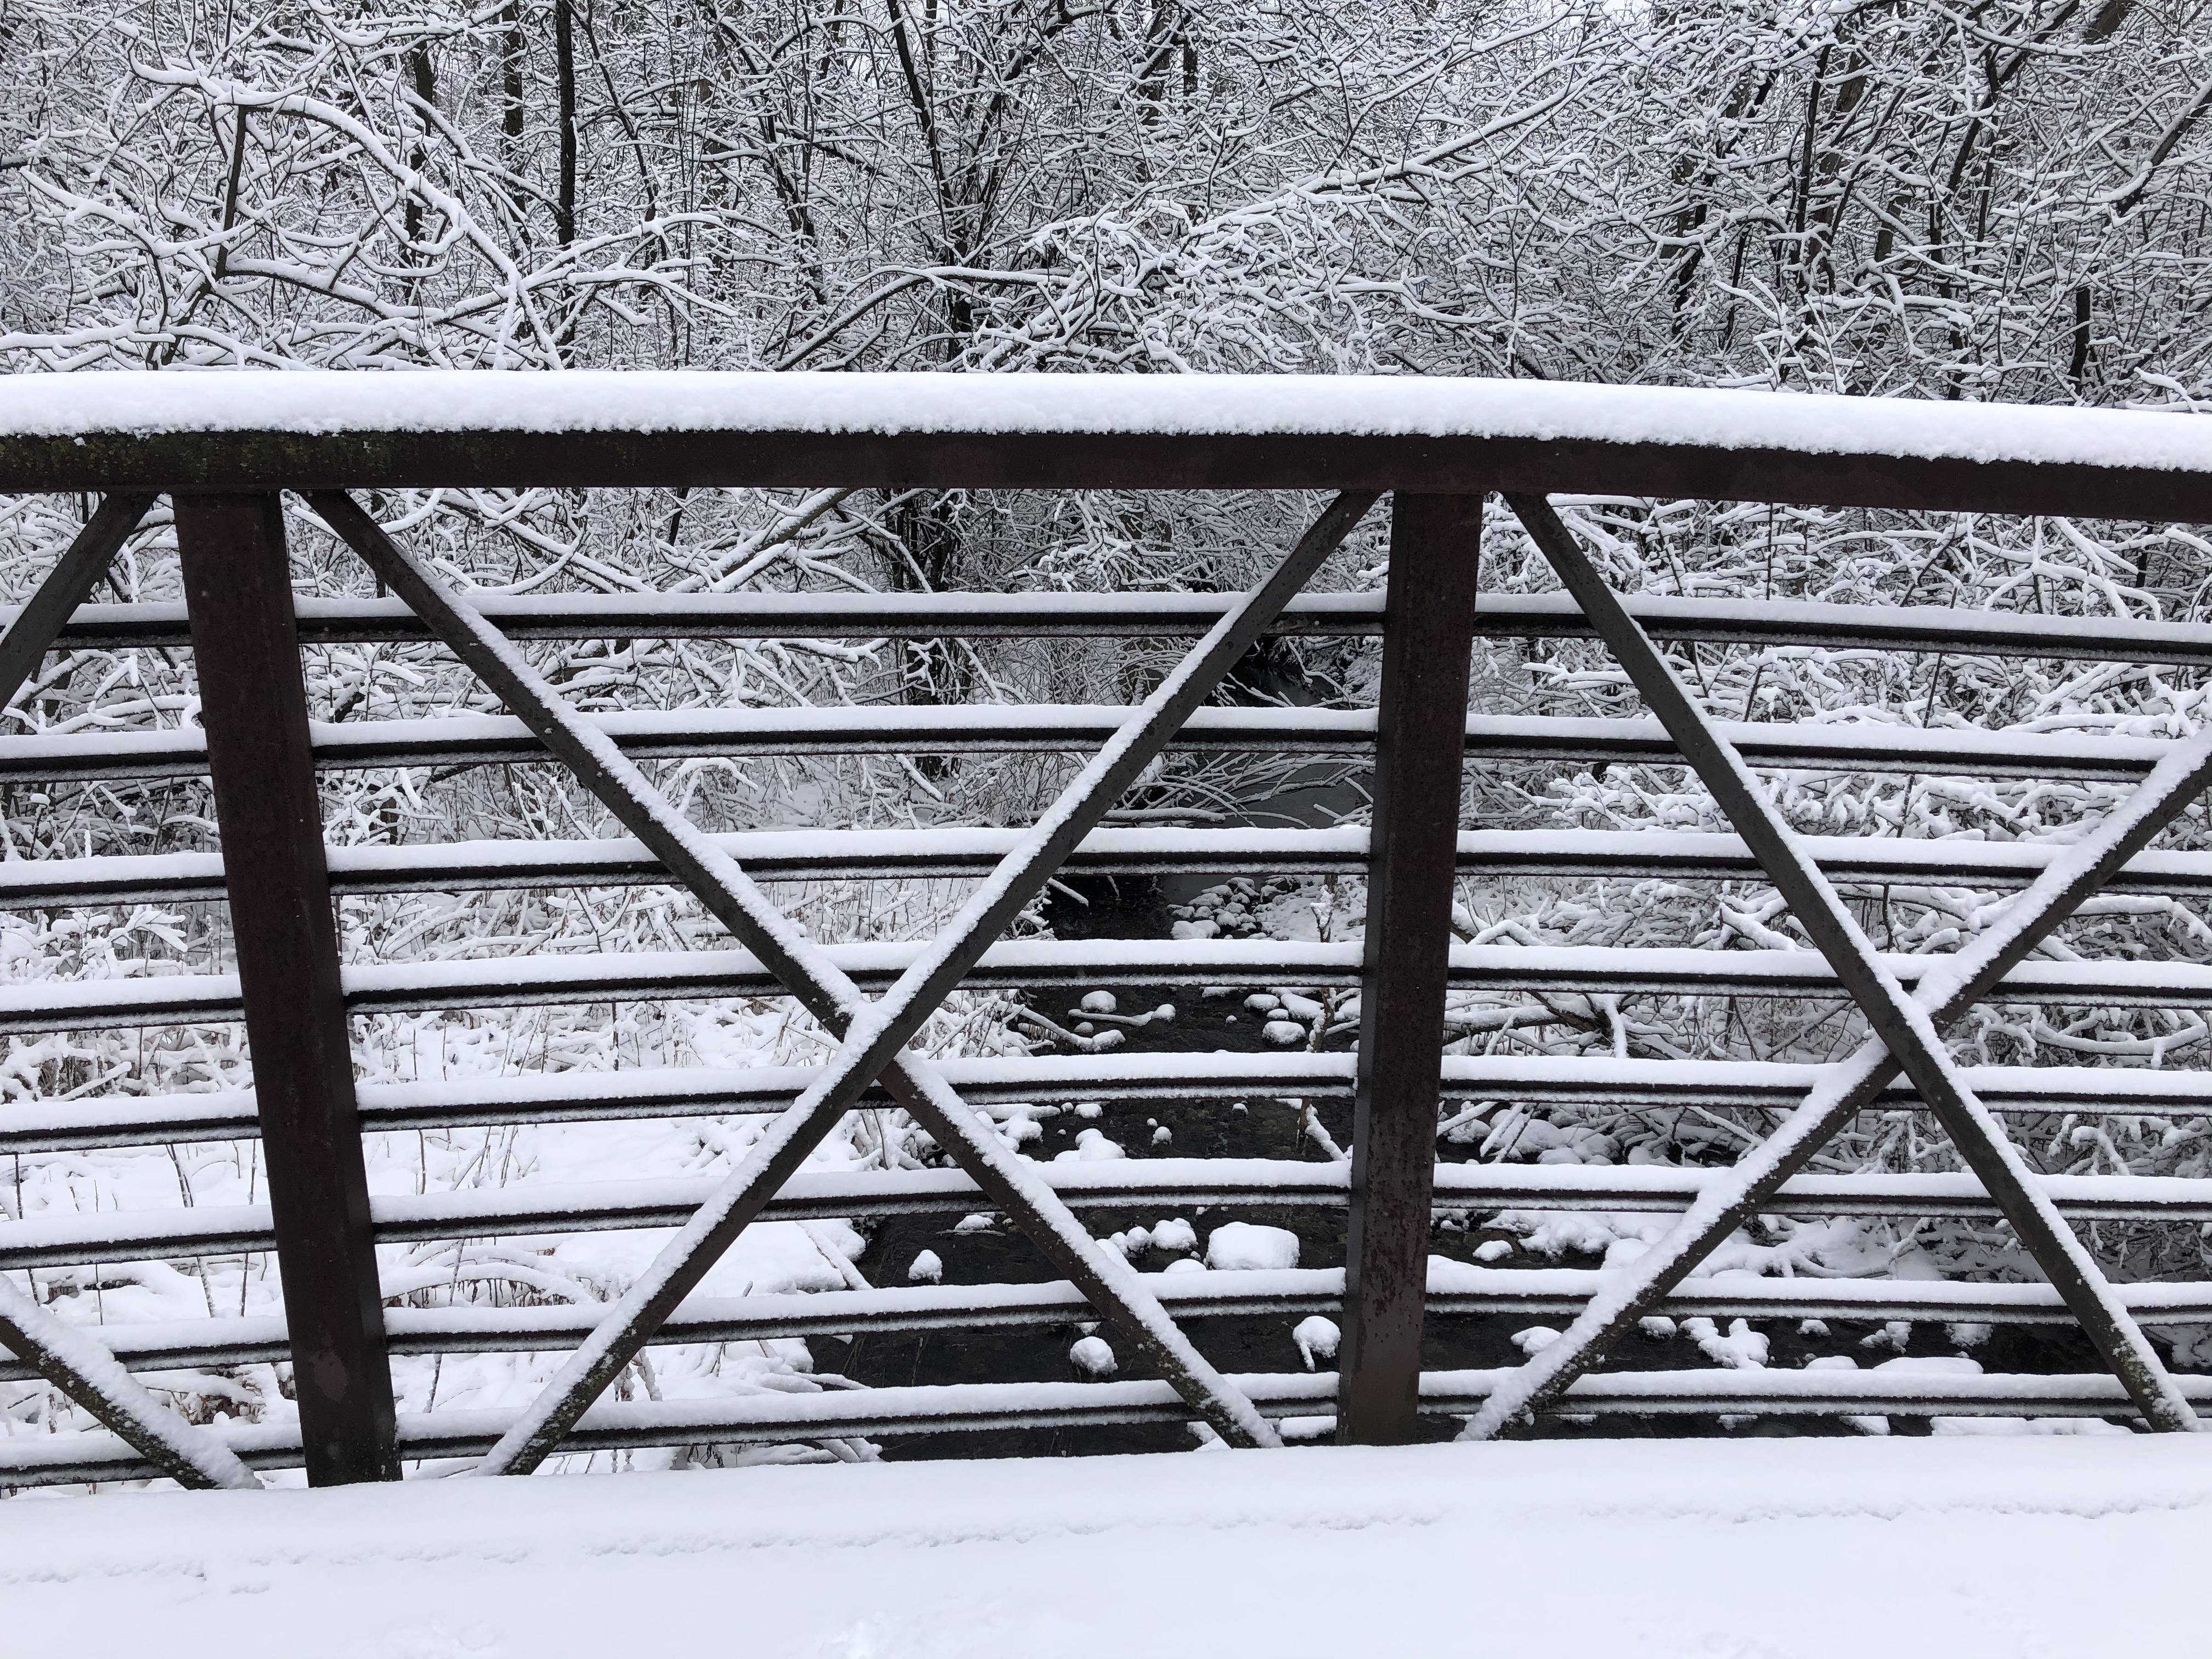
547, 1207
183, 431
660, 976
329, 403
1157, 616
1052, 728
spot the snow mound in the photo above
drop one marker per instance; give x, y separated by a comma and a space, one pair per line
1318, 1338
1091, 1146
1093, 1356
1174, 1234
1247, 1245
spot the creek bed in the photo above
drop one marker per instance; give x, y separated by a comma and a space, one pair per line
1271, 1129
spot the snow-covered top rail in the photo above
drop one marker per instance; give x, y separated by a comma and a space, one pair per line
240, 429
325, 402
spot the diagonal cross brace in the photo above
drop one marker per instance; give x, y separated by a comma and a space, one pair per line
31, 631
1850, 1087
81, 1367
1906, 1030
872, 1034
74, 1360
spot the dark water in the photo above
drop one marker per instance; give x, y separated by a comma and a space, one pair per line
1274, 1129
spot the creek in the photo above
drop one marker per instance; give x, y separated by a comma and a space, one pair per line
1170, 1126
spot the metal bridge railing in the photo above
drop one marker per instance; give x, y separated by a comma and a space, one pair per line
222, 446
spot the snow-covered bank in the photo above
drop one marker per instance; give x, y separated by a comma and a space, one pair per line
1973, 1548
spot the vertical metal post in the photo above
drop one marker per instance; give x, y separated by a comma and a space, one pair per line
1428, 636
253, 705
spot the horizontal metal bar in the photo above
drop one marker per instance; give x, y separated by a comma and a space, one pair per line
578, 1096
1057, 965
1155, 432
1465, 1292
751, 615
996, 728
755, 616
903, 854
1063, 965
54, 1460
50, 1240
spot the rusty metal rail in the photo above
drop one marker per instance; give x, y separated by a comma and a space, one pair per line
533, 1210
751, 616
502, 983
1529, 1294
1440, 447
893, 854
67, 1460
1001, 729
693, 1091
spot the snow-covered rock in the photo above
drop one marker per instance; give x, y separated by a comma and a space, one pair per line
1742, 1349
1952, 1365
1132, 1244
1317, 1338
1091, 1146
1173, 1233
1093, 1357
1236, 1245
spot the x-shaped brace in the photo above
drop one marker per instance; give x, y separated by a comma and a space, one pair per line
872, 1036
1906, 1031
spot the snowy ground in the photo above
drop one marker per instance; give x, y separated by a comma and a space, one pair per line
1971, 1548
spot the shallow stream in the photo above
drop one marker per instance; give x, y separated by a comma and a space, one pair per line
1269, 1128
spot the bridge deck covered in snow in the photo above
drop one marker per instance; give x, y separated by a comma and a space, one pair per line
1962, 1547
